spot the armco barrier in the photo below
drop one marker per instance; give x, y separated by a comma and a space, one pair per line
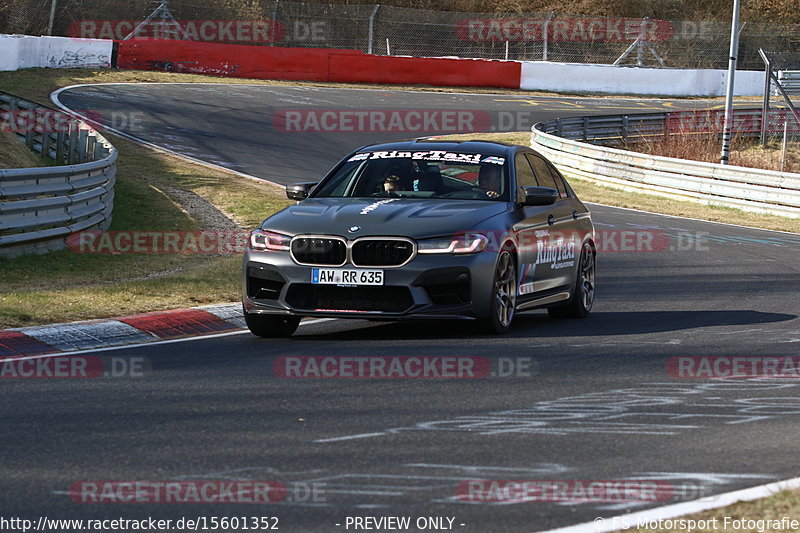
313, 64
755, 190
40, 207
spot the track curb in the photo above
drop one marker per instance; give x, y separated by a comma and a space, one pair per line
142, 328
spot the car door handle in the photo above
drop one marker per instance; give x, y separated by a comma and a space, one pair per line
551, 219
574, 214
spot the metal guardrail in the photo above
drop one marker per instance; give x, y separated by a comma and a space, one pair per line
566, 143
790, 81
40, 207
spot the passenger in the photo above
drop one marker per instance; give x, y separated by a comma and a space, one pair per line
489, 180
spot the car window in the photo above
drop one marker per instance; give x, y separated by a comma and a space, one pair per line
543, 176
420, 174
559, 179
525, 177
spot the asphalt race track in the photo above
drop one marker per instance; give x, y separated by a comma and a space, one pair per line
251, 129
586, 400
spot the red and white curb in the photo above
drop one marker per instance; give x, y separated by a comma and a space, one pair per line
135, 329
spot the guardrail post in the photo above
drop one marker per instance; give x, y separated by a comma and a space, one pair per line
83, 141
61, 137
72, 140
91, 141
46, 140
30, 128
99, 150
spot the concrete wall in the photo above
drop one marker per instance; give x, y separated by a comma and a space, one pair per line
26, 51
573, 77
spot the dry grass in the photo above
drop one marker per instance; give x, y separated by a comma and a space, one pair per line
782, 504
745, 152
14, 153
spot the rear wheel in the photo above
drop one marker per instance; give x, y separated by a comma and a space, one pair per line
504, 294
583, 293
271, 326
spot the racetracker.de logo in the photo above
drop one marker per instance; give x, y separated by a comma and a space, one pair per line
382, 120
158, 242
382, 367
603, 29
701, 367
42, 120
567, 491
256, 31
178, 492
73, 367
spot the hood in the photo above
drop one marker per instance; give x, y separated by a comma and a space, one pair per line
410, 217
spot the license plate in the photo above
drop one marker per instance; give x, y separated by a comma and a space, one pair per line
346, 276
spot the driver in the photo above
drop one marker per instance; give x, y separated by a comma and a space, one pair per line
392, 184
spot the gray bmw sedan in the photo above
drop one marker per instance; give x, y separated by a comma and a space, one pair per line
424, 229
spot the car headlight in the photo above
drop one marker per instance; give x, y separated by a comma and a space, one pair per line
263, 240
457, 244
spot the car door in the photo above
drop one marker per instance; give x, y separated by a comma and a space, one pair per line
557, 242
533, 231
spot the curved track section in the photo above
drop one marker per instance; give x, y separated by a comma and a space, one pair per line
567, 401
286, 134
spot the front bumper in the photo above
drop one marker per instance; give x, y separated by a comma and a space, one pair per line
429, 286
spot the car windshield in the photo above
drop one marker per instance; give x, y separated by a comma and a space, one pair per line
419, 174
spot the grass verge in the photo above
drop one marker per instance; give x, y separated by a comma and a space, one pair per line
14, 154
773, 508
65, 286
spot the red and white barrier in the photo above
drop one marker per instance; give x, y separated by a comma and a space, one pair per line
314, 64
354, 66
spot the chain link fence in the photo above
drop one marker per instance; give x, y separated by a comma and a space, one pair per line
390, 30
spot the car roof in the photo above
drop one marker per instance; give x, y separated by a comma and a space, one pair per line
467, 146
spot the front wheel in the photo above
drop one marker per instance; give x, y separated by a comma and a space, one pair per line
583, 293
504, 295
271, 326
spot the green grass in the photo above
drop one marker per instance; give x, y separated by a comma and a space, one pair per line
64, 286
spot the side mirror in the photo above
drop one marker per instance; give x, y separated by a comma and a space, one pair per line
299, 191
537, 196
